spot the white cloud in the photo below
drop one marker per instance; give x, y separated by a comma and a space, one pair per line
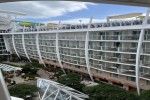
45, 8
76, 21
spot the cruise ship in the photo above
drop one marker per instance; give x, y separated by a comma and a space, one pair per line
116, 51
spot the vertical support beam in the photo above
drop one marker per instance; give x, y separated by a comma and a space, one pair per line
57, 50
4, 94
141, 37
24, 48
13, 42
57, 94
45, 92
6, 43
38, 49
86, 51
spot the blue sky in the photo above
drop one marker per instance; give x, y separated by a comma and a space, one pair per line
40, 11
101, 11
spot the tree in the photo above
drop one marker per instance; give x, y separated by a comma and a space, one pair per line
71, 80
145, 95
30, 69
33, 65
22, 90
108, 92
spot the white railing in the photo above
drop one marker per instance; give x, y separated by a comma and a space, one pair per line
84, 26
114, 37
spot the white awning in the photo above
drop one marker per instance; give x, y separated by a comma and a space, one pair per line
5, 67
131, 15
15, 98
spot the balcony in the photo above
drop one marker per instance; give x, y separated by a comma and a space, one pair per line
82, 55
82, 63
98, 57
113, 59
109, 37
145, 63
128, 60
73, 54
91, 56
146, 76
67, 37
111, 69
131, 49
146, 50
95, 37
146, 37
81, 46
80, 37
95, 65
74, 61
95, 47
72, 45
111, 48
129, 37
128, 72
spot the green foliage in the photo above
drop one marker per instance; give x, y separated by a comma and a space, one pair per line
21, 90
108, 92
33, 65
26, 69
145, 95
71, 80
7, 80
30, 69
58, 71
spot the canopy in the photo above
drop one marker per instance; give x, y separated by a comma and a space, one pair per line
131, 15
51, 90
5, 67
15, 98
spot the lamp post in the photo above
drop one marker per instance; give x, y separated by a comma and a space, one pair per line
80, 22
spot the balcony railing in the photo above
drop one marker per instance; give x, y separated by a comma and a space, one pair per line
117, 70
129, 49
146, 37
84, 26
146, 50
113, 48
114, 37
147, 76
145, 63
72, 37
110, 48
118, 59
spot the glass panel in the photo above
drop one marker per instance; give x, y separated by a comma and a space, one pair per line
51, 97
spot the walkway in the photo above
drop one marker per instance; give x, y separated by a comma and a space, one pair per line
43, 74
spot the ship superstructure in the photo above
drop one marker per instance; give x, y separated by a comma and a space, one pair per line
115, 51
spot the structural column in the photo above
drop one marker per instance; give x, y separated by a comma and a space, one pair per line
141, 37
86, 51
24, 48
6, 43
4, 94
57, 50
13, 42
38, 49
